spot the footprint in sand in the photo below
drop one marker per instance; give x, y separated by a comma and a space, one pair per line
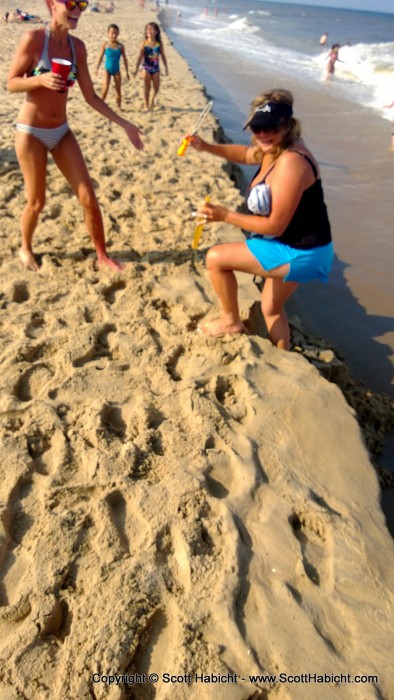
316, 547
110, 293
15, 561
35, 327
118, 514
172, 362
228, 473
34, 382
20, 293
48, 448
112, 422
31, 353
157, 649
228, 391
99, 347
172, 558
120, 526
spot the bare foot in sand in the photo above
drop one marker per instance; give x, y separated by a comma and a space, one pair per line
28, 260
220, 327
108, 262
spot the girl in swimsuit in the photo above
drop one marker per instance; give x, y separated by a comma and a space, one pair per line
290, 239
151, 51
113, 50
42, 123
331, 60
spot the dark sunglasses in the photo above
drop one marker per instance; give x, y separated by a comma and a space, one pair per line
72, 4
259, 129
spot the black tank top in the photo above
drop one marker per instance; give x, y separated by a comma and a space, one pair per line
309, 227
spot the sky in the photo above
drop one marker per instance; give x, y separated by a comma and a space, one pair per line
371, 5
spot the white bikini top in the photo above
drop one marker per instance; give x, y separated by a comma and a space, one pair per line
259, 200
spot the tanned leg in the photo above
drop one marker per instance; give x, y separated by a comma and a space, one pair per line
273, 297
32, 157
69, 159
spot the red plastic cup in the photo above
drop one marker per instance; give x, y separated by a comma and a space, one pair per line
62, 67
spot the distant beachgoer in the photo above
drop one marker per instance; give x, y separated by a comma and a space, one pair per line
392, 125
151, 51
42, 123
323, 39
22, 16
291, 238
331, 60
113, 51
106, 7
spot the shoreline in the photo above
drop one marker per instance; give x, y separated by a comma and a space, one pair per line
164, 496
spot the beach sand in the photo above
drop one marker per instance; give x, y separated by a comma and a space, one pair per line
170, 503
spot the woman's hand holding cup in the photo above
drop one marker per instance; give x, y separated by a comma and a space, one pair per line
60, 69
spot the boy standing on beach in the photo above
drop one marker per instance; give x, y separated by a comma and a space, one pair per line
113, 50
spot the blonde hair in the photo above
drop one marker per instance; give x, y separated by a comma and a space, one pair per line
292, 125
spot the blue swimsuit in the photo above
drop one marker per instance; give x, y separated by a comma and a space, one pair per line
112, 60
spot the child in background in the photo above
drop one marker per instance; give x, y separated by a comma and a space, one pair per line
151, 51
113, 50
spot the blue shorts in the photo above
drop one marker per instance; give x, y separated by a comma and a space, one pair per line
305, 265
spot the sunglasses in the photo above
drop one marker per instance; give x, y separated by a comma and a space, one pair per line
259, 129
72, 4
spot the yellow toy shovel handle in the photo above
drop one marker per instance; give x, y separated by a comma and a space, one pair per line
184, 144
199, 229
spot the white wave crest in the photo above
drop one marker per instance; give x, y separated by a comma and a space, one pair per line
239, 26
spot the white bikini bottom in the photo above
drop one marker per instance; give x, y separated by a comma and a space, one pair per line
50, 138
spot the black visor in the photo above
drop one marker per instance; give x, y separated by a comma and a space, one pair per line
269, 116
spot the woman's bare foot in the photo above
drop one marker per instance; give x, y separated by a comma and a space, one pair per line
108, 262
28, 260
220, 327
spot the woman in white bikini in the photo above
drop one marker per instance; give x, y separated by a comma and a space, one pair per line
42, 122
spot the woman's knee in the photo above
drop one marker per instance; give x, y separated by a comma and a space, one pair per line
214, 258
36, 204
87, 198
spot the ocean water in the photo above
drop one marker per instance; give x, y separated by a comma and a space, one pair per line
285, 37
